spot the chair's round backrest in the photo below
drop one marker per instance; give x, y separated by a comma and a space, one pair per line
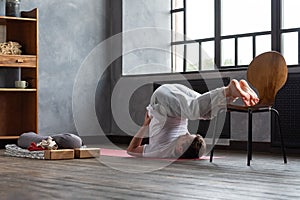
267, 73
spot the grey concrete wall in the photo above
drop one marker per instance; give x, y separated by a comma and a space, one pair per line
68, 31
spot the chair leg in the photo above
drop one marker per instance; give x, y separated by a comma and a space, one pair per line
249, 143
281, 135
213, 140
211, 154
214, 136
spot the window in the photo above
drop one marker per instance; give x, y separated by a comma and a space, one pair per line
227, 34
197, 23
290, 14
199, 19
245, 16
290, 30
238, 20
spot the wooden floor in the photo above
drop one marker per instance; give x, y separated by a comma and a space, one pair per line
227, 177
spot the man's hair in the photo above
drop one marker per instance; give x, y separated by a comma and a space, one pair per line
196, 149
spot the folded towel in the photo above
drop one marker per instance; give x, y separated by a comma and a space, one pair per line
16, 151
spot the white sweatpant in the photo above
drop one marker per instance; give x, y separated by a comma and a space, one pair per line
176, 100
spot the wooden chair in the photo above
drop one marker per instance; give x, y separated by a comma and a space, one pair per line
267, 73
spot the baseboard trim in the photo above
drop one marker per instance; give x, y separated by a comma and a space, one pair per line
233, 145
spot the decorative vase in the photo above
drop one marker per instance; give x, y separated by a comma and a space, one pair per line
12, 8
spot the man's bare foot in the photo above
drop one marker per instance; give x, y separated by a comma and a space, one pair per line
236, 90
253, 96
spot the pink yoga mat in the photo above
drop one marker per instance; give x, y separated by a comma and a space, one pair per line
114, 153
123, 154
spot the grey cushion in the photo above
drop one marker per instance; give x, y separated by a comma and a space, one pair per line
63, 140
67, 141
26, 139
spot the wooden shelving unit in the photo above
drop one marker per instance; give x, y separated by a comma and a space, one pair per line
19, 107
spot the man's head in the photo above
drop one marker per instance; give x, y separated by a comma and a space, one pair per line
190, 146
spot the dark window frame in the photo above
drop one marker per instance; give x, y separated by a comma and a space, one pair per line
276, 33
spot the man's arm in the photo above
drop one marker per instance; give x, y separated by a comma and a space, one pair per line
135, 147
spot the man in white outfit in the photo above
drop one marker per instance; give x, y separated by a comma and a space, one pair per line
167, 115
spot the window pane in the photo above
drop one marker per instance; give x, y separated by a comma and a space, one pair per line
177, 4
263, 44
290, 47
290, 14
245, 16
245, 49
192, 57
227, 51
208, 56
199, 19
178, 56
178, 26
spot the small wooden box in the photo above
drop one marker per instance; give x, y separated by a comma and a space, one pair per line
87, 152
59, 154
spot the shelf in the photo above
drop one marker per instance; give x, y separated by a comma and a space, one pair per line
26, 16
17, 90
4, 19
9, 137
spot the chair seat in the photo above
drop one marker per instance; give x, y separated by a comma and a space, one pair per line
257, 107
